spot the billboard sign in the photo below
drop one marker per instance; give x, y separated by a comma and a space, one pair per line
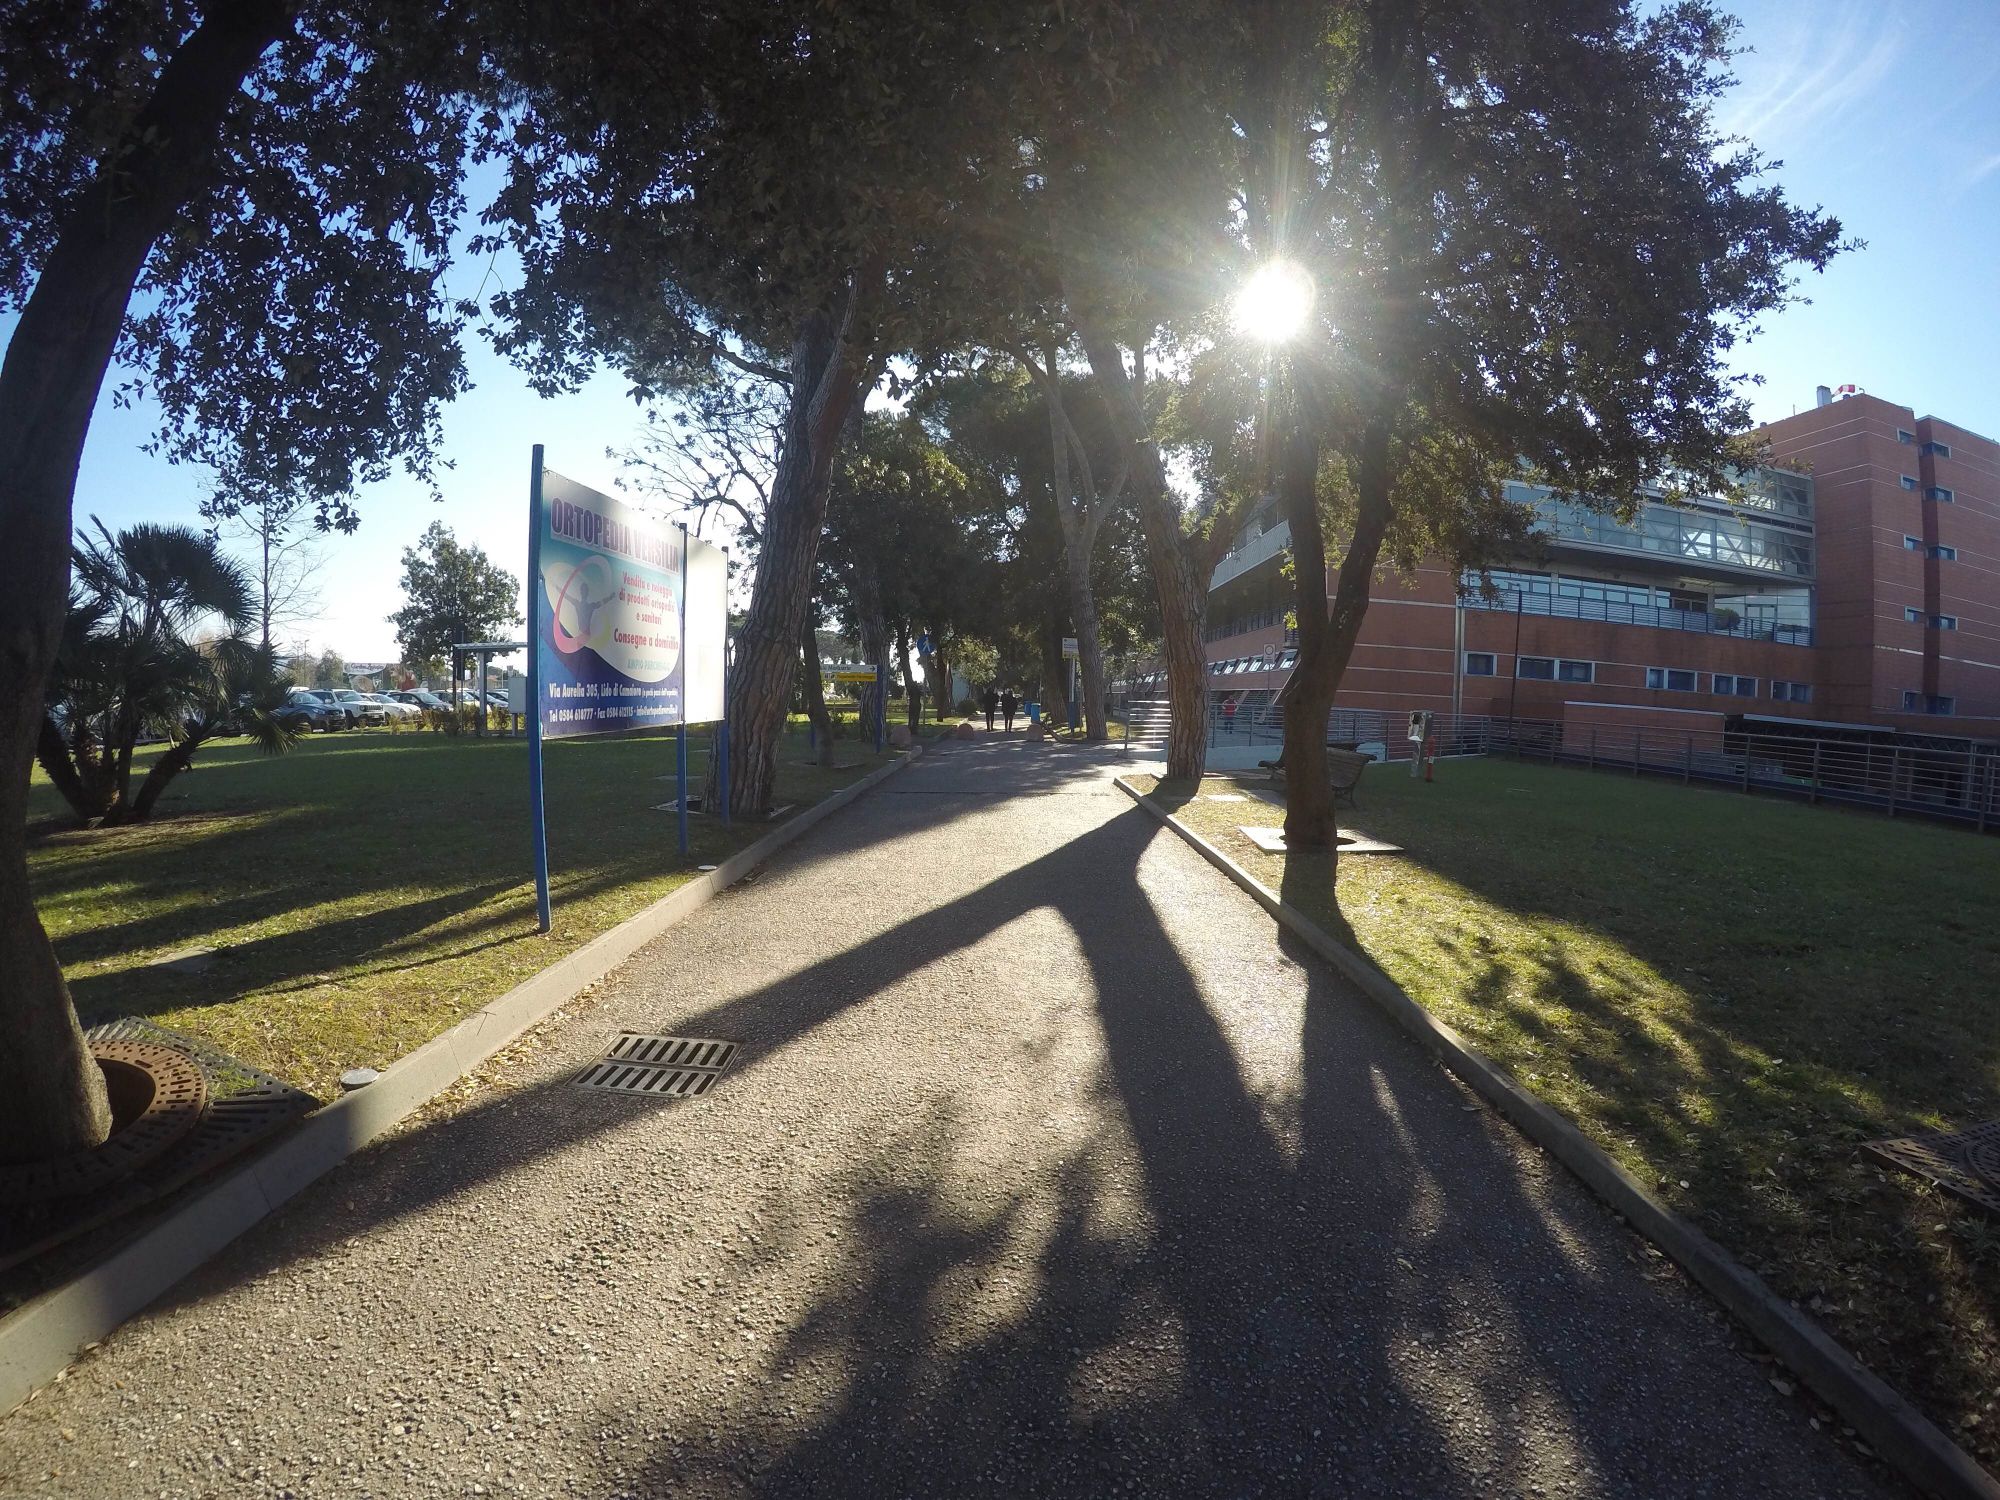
608, 614
704, 631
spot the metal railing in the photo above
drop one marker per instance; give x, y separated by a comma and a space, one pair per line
1947, 784
1263, 724
1702, 622
1944, 783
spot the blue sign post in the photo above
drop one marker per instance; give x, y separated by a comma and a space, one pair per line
681, 734
536, 814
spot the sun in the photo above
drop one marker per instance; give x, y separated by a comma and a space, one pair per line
1274, 303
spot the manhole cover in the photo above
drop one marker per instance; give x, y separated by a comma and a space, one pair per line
1966, 1162
659, 1067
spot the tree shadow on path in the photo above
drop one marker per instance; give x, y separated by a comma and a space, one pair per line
1350, 1283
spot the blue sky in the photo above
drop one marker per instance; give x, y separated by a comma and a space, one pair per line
1886, 113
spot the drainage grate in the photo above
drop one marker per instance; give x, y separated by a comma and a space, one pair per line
245, 1107
1965, 1162
659, 1067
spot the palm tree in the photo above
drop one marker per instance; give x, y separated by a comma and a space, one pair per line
133, 662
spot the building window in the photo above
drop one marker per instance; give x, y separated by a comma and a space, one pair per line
1735, 687
1945, 554
1790, 692
1670, 679
1918, 703
1536, 668
1479, 664
1913, 544
1904, 436
1913, 616
1909, 483
1939, 493
1938, 450
1944, 622
1577, 671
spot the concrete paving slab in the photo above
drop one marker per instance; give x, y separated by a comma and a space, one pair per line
1272, 841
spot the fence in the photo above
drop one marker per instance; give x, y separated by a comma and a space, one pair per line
1950, 784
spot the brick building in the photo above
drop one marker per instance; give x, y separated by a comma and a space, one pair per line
1857, 582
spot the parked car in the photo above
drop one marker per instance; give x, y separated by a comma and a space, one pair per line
304, 711
340, 716
359, 710
397, 711
348, 714
419, 699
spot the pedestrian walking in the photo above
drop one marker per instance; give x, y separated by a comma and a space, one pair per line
1009, 706
990, 701
1229, 716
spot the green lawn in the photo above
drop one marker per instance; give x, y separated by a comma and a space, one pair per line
1728, 994
370, 888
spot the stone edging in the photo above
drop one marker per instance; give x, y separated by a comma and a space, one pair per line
1905, 1439
41, 1337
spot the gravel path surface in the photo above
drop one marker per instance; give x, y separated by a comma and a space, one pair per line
1048, 1170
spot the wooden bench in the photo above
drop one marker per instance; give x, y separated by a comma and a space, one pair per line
1343, 771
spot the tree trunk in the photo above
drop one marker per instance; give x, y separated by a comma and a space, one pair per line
1326, 636
53, 1094
937, 672
911, 692
264, 581
830, 375
874, 718
1083, 614
177, 759
1055, 673
1181, 564
815, 695
1080, 517
61, 771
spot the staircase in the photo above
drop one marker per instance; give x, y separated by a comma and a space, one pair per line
1147, 722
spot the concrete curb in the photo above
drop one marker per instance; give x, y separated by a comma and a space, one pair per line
1905, 1439
43, 1335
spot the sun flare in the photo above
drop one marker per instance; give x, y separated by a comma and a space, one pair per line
1274, 303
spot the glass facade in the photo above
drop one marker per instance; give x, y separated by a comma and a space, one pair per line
1705, 605
1770, 531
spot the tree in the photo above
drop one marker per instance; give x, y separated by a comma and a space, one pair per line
1529, 246
675, 222
1120, 236
133, 663
284, 558
329, 671
455, 593
1081, 507
911, 542
280, 179
994, 424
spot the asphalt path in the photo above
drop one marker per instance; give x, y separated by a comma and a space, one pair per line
1049, 1169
